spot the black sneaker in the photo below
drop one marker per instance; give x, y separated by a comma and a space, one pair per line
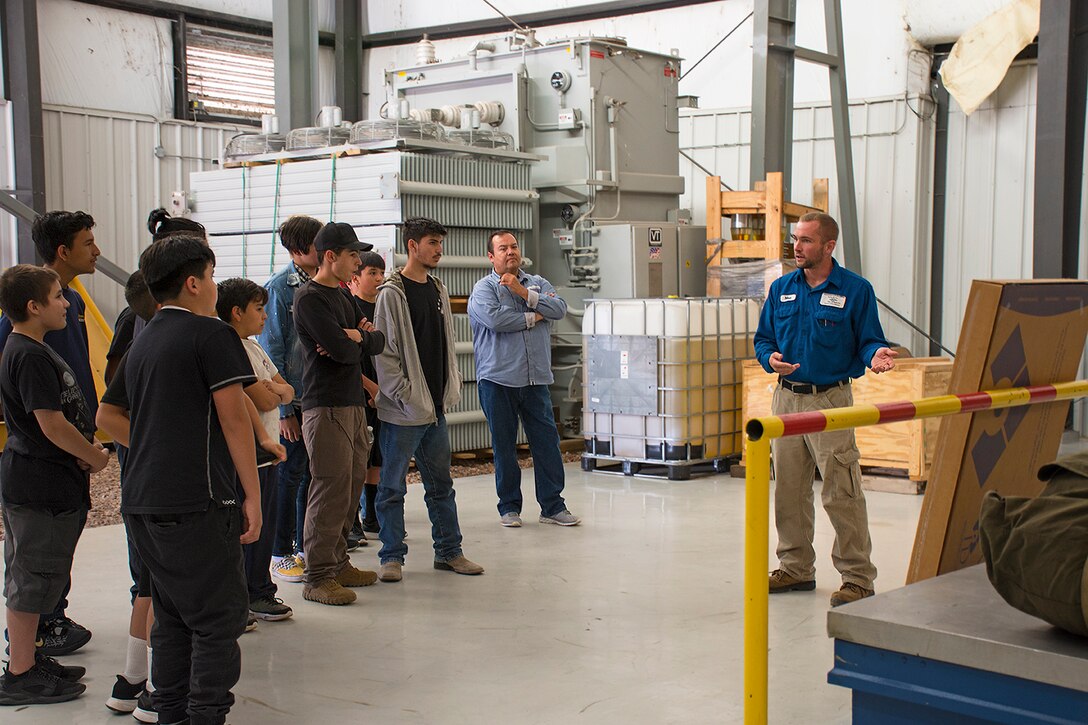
70, 673
37, 687
371, 527
125, 695
356, 537
145, 710
61, 636
269, 608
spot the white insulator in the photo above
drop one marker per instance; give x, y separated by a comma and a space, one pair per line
425, 52
491, 112
475, 118
331, 116
450, 116
270, 123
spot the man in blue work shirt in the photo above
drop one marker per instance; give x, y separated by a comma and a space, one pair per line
65, 242
818, 330
509, 311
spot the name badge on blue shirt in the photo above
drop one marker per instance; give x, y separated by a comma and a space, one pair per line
830, 300
787, 298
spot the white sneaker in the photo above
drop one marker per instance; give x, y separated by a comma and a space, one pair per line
511, 520
563, 518
287, 568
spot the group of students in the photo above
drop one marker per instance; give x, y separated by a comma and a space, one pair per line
241, 458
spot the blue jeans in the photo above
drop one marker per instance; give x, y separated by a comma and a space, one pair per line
532, 404
430, 444
292, 488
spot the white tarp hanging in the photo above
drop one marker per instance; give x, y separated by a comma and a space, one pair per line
981, 57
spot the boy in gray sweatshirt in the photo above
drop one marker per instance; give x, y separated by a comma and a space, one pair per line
418, 381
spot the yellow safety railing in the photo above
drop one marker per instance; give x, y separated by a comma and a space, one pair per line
760, 431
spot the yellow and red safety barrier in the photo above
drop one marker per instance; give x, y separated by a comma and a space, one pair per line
760, 431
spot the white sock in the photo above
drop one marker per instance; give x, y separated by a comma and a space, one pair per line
150, 687
135, 660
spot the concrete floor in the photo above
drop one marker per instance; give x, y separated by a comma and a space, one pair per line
633, 617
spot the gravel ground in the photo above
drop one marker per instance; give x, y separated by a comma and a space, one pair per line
106, 484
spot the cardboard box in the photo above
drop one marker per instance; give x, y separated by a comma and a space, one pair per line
909, 445
1015, 333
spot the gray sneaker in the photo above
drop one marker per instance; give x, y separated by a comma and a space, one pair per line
511, 520
563, 518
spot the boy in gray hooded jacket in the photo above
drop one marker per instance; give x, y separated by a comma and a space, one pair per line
418, 381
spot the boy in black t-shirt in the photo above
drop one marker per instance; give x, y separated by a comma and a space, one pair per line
334, 340
364, 289
44, 480
177, 403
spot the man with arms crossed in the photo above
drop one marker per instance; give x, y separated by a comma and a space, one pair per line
509, 311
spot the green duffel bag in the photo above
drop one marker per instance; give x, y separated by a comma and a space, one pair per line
1036, 549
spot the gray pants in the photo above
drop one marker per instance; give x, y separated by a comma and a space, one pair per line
795, 462
339, 445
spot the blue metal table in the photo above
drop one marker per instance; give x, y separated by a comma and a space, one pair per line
950, 650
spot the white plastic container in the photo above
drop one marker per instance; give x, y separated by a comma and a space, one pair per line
700, 346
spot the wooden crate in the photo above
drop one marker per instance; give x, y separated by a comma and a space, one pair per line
906, 446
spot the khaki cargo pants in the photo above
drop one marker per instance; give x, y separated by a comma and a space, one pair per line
338, 442
795, 462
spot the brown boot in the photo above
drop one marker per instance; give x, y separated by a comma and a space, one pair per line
779, 581
850, 592
459, 564
391, 571
349, 576
328, 592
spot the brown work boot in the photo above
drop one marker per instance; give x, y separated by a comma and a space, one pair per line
459, 564
779, 581
391, 571
850, 592
328, 592
349, 576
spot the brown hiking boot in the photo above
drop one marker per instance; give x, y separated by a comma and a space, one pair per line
779, 581
328, 592
349, 576
459, 564
391, 571
850, 592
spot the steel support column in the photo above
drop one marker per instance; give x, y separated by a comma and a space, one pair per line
772, 91
350, 26
23, 87
1059, 137
849, 232
294, 52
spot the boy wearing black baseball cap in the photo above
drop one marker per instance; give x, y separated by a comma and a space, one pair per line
335, 338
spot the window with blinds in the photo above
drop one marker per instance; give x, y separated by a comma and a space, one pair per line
229, 74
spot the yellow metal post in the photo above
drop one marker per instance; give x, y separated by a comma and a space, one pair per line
757, 494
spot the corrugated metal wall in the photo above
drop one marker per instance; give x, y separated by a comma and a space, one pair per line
991, 187
892, 169
105, 164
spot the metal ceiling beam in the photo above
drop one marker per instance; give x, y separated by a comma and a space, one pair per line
1059, 137
23, 87
542, 19
294, 54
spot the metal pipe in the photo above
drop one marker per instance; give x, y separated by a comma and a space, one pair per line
757, 497
460, 262
425, 188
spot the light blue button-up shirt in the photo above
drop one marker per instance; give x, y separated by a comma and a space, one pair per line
511, 347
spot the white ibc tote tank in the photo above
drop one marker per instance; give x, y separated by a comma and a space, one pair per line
691, 407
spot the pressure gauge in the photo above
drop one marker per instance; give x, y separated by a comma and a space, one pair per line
560, 81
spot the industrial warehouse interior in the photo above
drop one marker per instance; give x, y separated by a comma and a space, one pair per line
628, 361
